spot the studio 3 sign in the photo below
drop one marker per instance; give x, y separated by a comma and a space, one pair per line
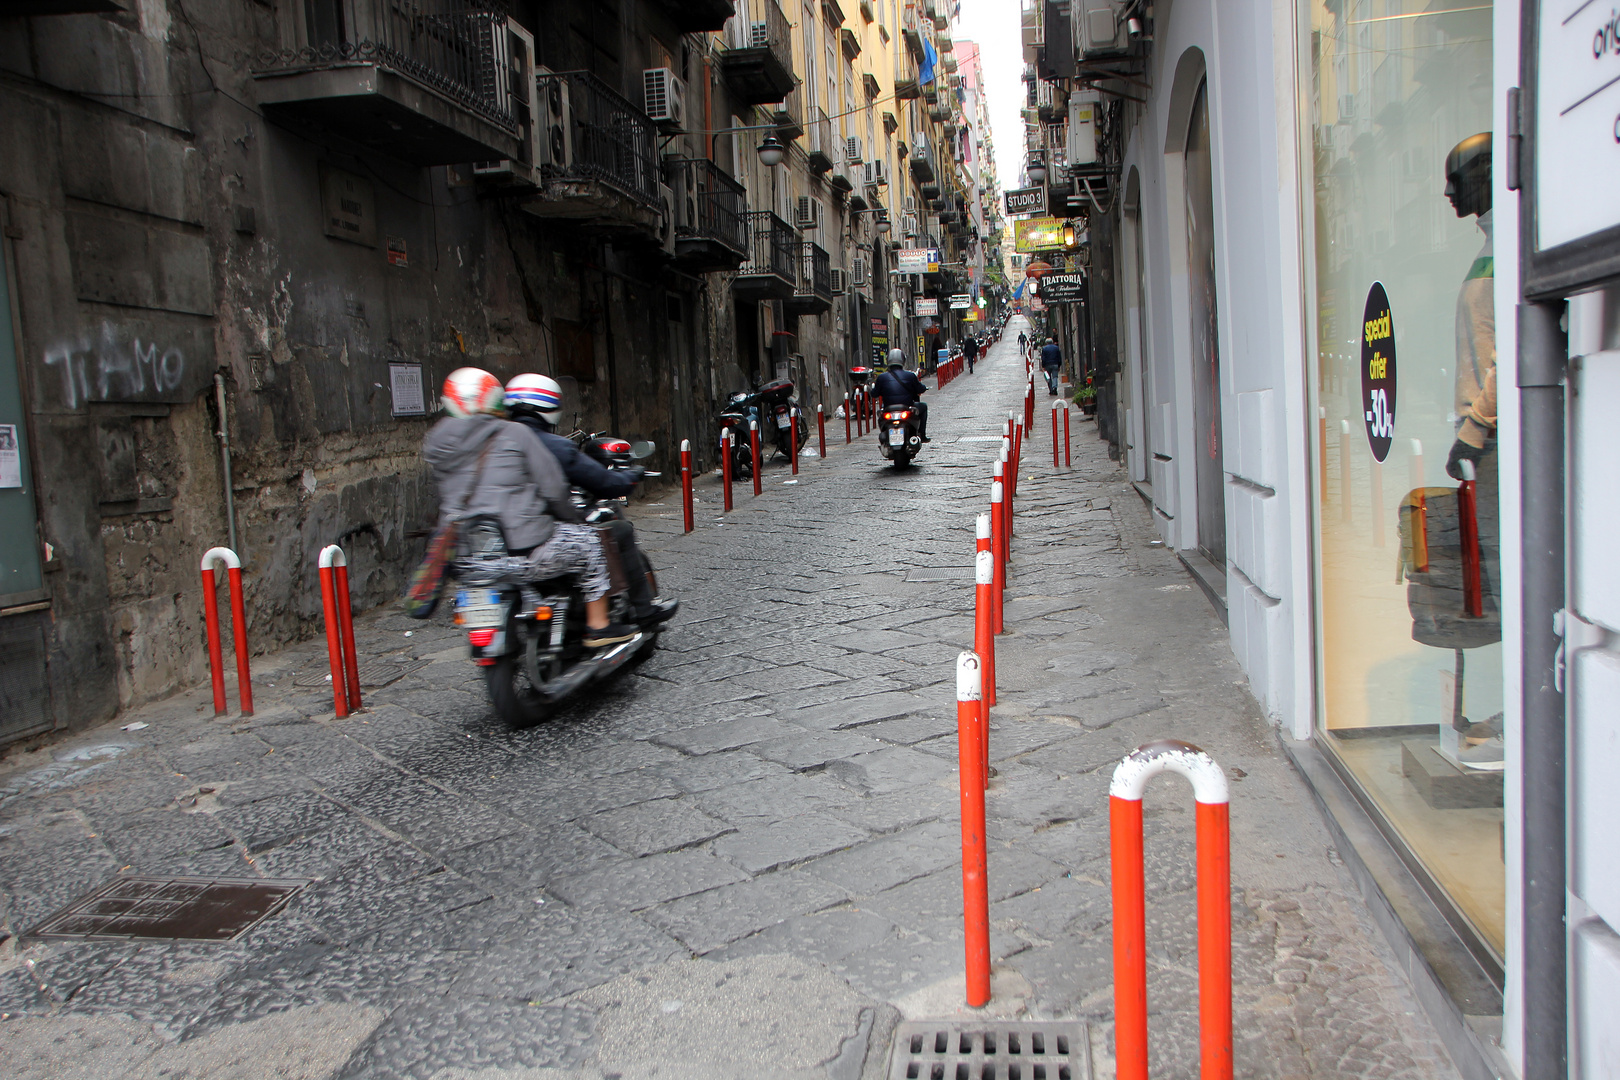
1378, 371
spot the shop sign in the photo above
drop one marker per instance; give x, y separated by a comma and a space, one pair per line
919, 260
961, 302
1378, 372
927, 306
348, 207
880, 341
1038, 234
1026, 201
1062, 288
1574, 116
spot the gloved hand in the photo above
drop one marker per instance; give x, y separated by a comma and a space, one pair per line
635, 473
1460, 452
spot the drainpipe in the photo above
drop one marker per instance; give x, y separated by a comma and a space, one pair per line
1543, 349
225, 459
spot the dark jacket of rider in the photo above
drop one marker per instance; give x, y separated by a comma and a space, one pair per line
899, 387
521, 484
582, 470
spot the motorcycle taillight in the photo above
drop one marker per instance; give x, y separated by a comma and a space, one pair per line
481, 638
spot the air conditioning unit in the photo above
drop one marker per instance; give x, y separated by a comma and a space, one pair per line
857, 275
807, 213
908, 221
555, 109
852, 150
516, 93
664, 98
669, 209
1099, 29
1081, 144
840, 282
759, 35
910, 205
877, 173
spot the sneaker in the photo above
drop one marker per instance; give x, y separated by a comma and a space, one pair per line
658, 611
611, 634
1486, 756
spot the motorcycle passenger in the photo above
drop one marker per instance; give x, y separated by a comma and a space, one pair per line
897, 386
484, 465
536, 402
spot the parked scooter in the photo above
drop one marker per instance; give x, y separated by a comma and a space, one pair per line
772, 407
529, 636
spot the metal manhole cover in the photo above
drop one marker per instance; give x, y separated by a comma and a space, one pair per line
136, 908
940, 573
980, 438
373, 673
1026, 1050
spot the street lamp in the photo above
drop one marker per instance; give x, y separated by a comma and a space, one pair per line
771, 151
1036, 169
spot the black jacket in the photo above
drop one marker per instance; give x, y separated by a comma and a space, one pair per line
899, 387
582, 470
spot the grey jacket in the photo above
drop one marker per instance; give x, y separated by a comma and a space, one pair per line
522, 484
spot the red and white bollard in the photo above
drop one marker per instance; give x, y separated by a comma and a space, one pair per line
1054, 435
339, 631
753, 449
725, 466
846, 419
225, 557
970, 785
984, 634
1130, 916
686, 483
821, 430
998, 539
1066, 412
793, 437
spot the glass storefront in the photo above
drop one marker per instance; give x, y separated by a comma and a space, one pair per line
1410, 655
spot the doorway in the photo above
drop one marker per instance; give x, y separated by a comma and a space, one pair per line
1206, 359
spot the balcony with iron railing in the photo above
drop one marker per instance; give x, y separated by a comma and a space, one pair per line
432, 82
757, 60
912, 29
601, 154
814, 295
823, 151
787, 115
922, 161
771, 271
711, 225
905, 77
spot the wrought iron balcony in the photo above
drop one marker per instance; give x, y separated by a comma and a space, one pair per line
758, 58
427, 81
922, 161
814, 293
905, 77
711, 225
822, 151
771, 271
601, 163
911, 29
787, 116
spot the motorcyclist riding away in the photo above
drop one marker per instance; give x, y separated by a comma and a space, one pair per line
485, 465
897, 386
535, 401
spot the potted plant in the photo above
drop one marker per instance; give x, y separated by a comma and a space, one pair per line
1086, 398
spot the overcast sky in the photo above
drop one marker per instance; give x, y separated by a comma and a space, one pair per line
994, 25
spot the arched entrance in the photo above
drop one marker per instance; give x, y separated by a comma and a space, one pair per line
1205, 352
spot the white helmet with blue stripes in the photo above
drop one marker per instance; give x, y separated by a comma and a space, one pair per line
534, 395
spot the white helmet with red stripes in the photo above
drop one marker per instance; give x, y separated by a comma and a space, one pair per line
534, 395
469, 391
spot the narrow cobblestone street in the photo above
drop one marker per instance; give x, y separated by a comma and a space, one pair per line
739, 860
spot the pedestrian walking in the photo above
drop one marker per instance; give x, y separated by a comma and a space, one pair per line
1051, 360
970, 349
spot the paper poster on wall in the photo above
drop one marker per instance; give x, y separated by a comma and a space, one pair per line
405, 386
10, 457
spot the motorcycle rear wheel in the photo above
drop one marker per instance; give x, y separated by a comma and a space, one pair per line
515, 700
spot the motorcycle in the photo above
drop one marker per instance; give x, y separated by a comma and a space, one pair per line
898, 436
772, 407
529, 636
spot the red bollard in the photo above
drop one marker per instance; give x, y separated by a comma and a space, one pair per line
686, 482
216, 661
846, 419
753, 448
1015, 462
1054, 435
998, 539
334, 568
1066, 412
970, 783
984, 634
725, 466
793, 437
1130, 916
821, 430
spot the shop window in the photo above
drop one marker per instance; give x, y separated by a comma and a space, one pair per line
1410, 654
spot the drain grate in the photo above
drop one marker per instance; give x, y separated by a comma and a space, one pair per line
373, 673
136, 908
1027, 1050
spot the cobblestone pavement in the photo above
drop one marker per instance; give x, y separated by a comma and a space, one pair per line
739, 860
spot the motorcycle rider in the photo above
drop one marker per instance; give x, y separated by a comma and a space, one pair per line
897, 386
484, 465
535, 402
